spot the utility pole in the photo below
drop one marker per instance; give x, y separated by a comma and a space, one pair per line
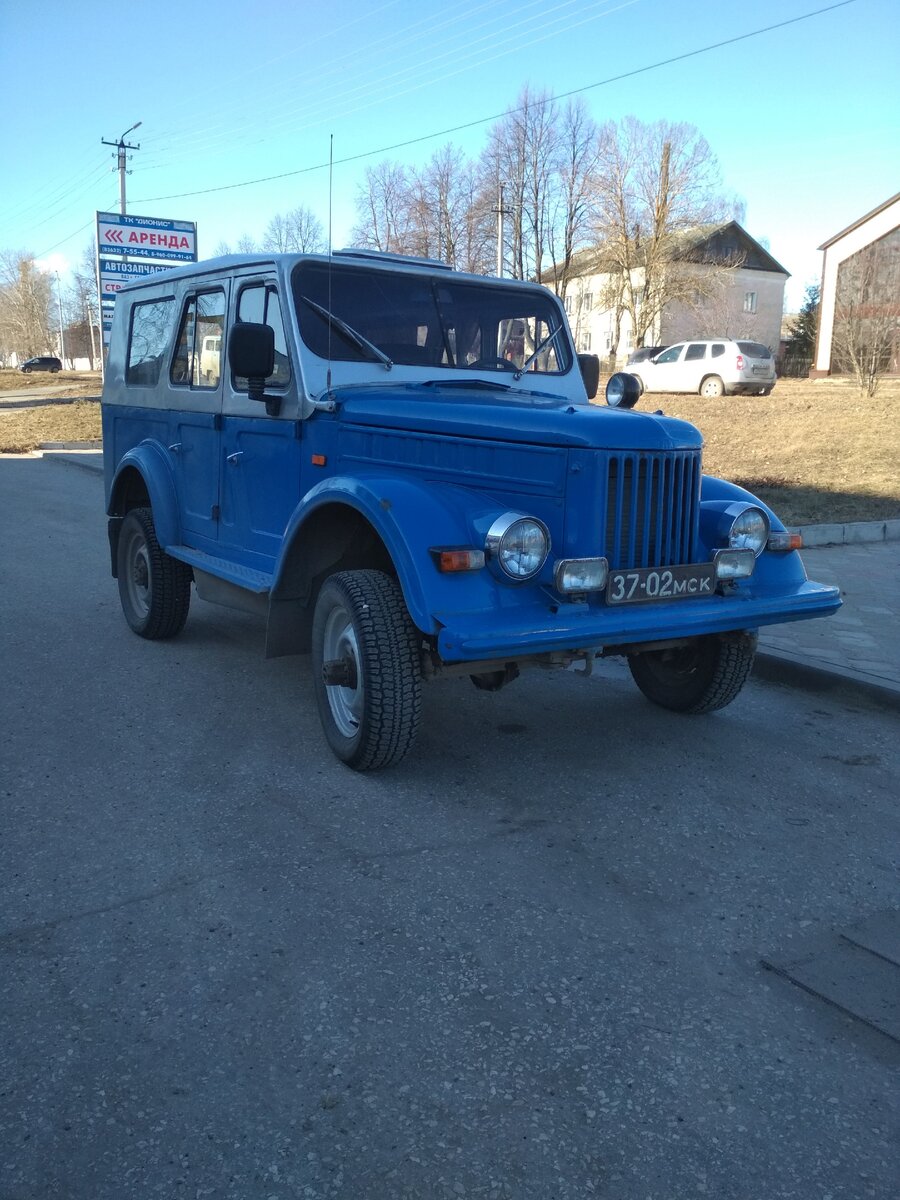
62, 340
121, 145
90, 321
500, 210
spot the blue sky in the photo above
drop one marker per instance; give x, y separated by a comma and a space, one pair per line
805, 119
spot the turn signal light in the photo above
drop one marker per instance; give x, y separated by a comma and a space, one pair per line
458, 560
785, 541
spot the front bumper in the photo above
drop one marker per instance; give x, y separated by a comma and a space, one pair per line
544, 627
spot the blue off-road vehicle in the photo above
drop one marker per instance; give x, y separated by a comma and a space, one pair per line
400, 467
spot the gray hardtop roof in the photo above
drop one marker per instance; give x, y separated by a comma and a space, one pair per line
375, 258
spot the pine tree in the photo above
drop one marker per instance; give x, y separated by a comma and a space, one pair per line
803, 338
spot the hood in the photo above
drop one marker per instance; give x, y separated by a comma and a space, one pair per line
464, 411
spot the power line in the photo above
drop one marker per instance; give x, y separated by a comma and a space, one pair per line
742, 37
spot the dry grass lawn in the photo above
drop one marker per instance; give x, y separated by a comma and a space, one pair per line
814, 451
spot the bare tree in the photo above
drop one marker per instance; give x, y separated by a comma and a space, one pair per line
25, 306
654, 184
296, 232
866, 337
81, 309
522, 154
245, 245
578, 150
382, 207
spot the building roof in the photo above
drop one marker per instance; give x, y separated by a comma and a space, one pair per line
702, 243
862, 220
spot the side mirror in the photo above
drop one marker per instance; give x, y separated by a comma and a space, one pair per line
622, 391
251, 353
589, 365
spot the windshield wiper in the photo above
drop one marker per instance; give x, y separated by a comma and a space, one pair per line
357, 338
544, 344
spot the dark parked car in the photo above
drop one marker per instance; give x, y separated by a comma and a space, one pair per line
44, 363
643, 353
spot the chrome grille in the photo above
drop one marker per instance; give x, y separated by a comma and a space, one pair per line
652, 508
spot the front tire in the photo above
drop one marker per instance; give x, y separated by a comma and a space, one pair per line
366, 669
701, 677
154, 588
712, 388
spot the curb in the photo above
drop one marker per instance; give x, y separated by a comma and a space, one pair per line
779, 667
86, 455
851, 533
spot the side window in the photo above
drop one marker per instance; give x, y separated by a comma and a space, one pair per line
198, 354
259, 303
694, 351
671, 355
718, 350
148, 340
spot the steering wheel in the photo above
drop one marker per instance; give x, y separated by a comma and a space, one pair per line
503, 363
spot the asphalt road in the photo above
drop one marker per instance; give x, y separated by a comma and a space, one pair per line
524, 964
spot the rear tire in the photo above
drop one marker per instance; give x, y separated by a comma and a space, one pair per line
698, 678
367, 645
154, 588
712, 388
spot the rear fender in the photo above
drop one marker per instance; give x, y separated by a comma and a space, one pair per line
152, 463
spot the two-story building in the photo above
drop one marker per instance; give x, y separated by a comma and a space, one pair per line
716, 281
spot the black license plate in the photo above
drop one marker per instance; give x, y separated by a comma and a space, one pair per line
661, 583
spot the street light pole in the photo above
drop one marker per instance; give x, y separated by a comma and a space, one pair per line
121, 145
62, 339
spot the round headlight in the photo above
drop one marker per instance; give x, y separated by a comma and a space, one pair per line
622, 391
749, 531
519, 545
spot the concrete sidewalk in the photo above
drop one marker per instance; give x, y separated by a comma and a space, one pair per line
858, 647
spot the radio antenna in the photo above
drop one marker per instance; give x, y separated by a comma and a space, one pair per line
330, 193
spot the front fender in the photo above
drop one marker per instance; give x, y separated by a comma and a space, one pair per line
410, 519
723, 493
151, 460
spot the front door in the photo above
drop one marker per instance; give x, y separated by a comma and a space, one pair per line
260, 462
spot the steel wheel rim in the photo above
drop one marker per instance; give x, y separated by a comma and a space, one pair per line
340, 642
137, 578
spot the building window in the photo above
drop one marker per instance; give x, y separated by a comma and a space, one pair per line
749, 302
585, 343
587, 300
569, 305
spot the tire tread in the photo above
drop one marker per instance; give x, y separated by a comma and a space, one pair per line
170, 595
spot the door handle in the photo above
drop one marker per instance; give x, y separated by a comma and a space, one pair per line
232, 458
175, 447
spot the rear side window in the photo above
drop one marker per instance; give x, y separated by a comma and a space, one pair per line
694, 351
754, 349
198, 356
259, 303
148, 340
718, 350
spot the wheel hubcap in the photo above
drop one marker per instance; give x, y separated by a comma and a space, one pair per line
340, 646
139, 576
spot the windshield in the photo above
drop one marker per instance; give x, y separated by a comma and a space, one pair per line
431, 321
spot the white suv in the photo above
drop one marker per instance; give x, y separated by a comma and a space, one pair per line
713, 368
